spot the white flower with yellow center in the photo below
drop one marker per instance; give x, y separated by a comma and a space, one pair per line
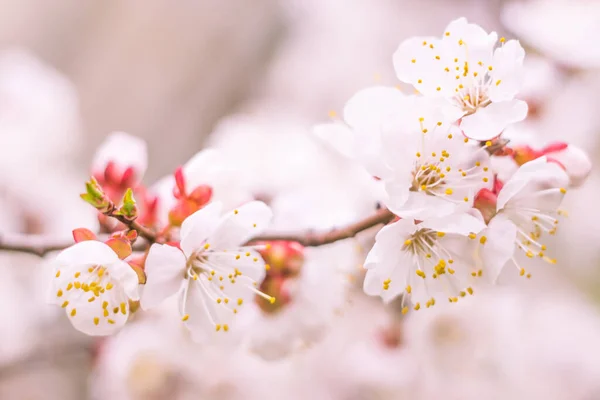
423, 261
436, 170
94, 287
527, 210
214, 273
478, 82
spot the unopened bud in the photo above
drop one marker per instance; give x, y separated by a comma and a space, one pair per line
485, 202
128, 208
95, 196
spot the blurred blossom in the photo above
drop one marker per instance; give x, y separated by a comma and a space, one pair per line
564, 30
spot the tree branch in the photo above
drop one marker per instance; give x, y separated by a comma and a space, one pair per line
313, 239
142, 231
41, 245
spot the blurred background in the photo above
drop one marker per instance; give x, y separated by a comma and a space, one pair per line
251, 77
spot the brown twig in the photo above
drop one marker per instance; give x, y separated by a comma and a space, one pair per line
309, 238
40, 245
142, 231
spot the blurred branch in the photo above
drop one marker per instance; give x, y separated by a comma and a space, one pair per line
313, 239
41, 245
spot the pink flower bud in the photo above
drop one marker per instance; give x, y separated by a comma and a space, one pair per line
120, 161
485, 202
571, 158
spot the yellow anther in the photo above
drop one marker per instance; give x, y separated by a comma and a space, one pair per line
544, 248
237, 257
437, 57
217, 327
413, 61
528, 276
404, 310
460, 42
272, 300
529, 254
104, 304
482, 240
466, 140
480, 272
109, 286
502, 39
206, 246
431, 45
226, 301
267, 267
65, 304
451, 271
522, 271
225, 327
91, 299
57, 273
441, 234
447, 33
77, 285
418, 154
420, 273
77, 274
472, 235
110, 321
420, 81
438, 88
240, 302
425, 130
185, 317
408, 289
498, 82
73, 312
417, 306
563, 190
407, 242
466, 199
485, 179
423, 187
490, 68
96, 320
450, 261
91, 269
449, 191
475, 74
219, 301
123, 308
59, 293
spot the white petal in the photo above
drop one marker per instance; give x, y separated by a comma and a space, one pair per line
90, 252
370, 106
415, 63
576, 162
499, 247
240, 225
490, 121
124, 151
86, 312
531, 178
165, 268
122, 272
199, 164
461, 224
250, 263
508, 71
423, 206
338, 136
196, 228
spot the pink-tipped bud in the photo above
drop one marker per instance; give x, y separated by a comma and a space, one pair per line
179, 189
120, 161
284, 258
201, 195
572, 159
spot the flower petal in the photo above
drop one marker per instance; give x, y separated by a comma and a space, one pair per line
165, 268
499, 247
461, 224
488, 122
240, 225
196, 228
370, 106
507, 75
89, 252
127, 277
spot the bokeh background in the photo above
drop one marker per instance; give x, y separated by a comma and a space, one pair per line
251, 77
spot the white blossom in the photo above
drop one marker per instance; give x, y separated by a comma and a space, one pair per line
94, 287
214, 273
526, 212
478, 82
423, 260
436, 170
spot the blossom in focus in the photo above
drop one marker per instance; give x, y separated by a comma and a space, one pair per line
423, 260
478, 81
214, 272
94, 287
436, 170
527, 208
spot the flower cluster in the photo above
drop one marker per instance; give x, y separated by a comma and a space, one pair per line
458, 200
468, 204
